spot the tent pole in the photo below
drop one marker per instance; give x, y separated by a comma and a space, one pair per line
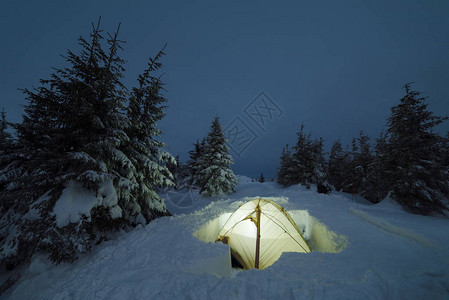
256, 263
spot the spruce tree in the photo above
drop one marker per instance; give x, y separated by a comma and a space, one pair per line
180, 172
357, 162
308, 164
419, 181
193, 165
303, 159
215, 175
284, 175
352, 173
364, 160
5, 136
148, 170
336, 166
6, 149
74, 136
319, 175
377, 182
261, 178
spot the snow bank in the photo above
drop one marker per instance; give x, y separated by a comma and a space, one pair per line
243, 179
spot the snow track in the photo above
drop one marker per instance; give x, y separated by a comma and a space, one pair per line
383, 224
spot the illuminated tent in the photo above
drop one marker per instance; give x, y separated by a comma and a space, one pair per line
259, 231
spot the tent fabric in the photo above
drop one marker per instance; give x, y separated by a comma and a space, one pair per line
278, 233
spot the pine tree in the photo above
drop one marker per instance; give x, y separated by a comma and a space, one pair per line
419, 181
319, 175
180, 172
261, 178
357, 162
308, 161
74, 135
5, 136
303, 159
6, 149
364, 160
215, 176
193, 164
284, 172
351, 170
377, 182
337, 165
148, 168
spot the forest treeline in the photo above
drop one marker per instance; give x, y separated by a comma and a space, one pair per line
409, 162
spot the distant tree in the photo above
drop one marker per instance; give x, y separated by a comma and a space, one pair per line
193, 165
319, 174
356, 164
419, 181
444, 146
284, 175
215, 175
377, 183
5, 136
180, 172
351, 169
261, 178
336, 166
303, 159
308, 161
6, 148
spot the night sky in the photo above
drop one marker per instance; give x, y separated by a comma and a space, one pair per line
265, 68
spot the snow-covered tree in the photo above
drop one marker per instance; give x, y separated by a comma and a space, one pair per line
419, 180
180, 172
147, 168
377, 183
284, 175
6, 149
193, 164
336, 165
303, 159
5, 136
308, 164
216, 177
76, 138
356, 164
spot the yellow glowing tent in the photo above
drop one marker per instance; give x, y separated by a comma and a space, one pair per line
259, 231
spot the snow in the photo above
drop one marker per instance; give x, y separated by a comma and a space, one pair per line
243, 179
360, 251
76, 201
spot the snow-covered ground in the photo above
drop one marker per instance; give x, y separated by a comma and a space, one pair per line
374, 252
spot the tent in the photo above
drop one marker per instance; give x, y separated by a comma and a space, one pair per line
259, 231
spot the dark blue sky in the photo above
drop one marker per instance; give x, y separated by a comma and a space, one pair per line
336, 66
